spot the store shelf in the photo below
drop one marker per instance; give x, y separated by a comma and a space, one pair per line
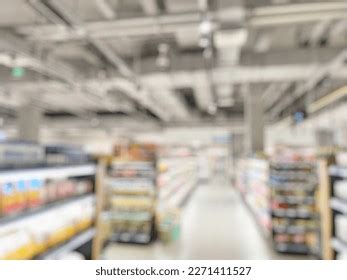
338, 245
338, 171
294, 199
292, 165
292, 248
130, 216
138, 165
31, 212
71, 245
293, 186
293, 214
126, 237
338, 205
171, 189
178, 199
47, 173
170, 175
293, 229
123, 180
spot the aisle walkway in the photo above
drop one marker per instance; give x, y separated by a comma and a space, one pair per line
215, 225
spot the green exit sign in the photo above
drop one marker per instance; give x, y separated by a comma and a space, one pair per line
17, 72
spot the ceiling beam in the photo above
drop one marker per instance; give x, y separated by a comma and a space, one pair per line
12, 44
287, 56
291, 14
182, 79
74, 23
106, 9
150, 7
138, 26
319, 32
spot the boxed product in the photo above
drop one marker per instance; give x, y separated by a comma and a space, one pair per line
340, 189
21, 195
50, 191
341, 227
16, 245
7, 198
35, 193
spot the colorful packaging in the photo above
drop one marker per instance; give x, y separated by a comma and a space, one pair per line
36, 193
7, 199
21, 196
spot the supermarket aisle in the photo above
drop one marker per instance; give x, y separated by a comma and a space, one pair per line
218, 226
215, 225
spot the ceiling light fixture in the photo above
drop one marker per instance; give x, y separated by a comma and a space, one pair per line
163, 59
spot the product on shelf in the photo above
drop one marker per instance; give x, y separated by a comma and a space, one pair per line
294, 186
177, 177
135, 152
252, 181
65, 155
29, 237
340, 189
130, 200
15, 154
338, 204
17, 197
35, 193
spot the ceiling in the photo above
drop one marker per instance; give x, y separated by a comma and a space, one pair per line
168, 61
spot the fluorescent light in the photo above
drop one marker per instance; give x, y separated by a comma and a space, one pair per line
328, 99
205, 27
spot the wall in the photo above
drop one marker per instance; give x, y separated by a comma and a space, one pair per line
334, 119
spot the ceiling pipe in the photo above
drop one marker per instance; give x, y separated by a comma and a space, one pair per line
137, 26
73, 22
106, 9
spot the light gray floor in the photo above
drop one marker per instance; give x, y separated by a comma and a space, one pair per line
215, 225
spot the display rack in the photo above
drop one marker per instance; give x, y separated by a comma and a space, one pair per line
131, 201
338, 205
295, 218
252, 181
71, 245
33, 191
126, 199
37, 234
177, 178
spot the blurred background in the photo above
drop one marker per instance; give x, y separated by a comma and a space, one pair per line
162, 129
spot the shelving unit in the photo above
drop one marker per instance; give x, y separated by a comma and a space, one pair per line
126, 198
295, 217
58, 190
71, 245
252, 181
338, 206
4, 220
49, 172
41, 236
131, 201
176, 180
